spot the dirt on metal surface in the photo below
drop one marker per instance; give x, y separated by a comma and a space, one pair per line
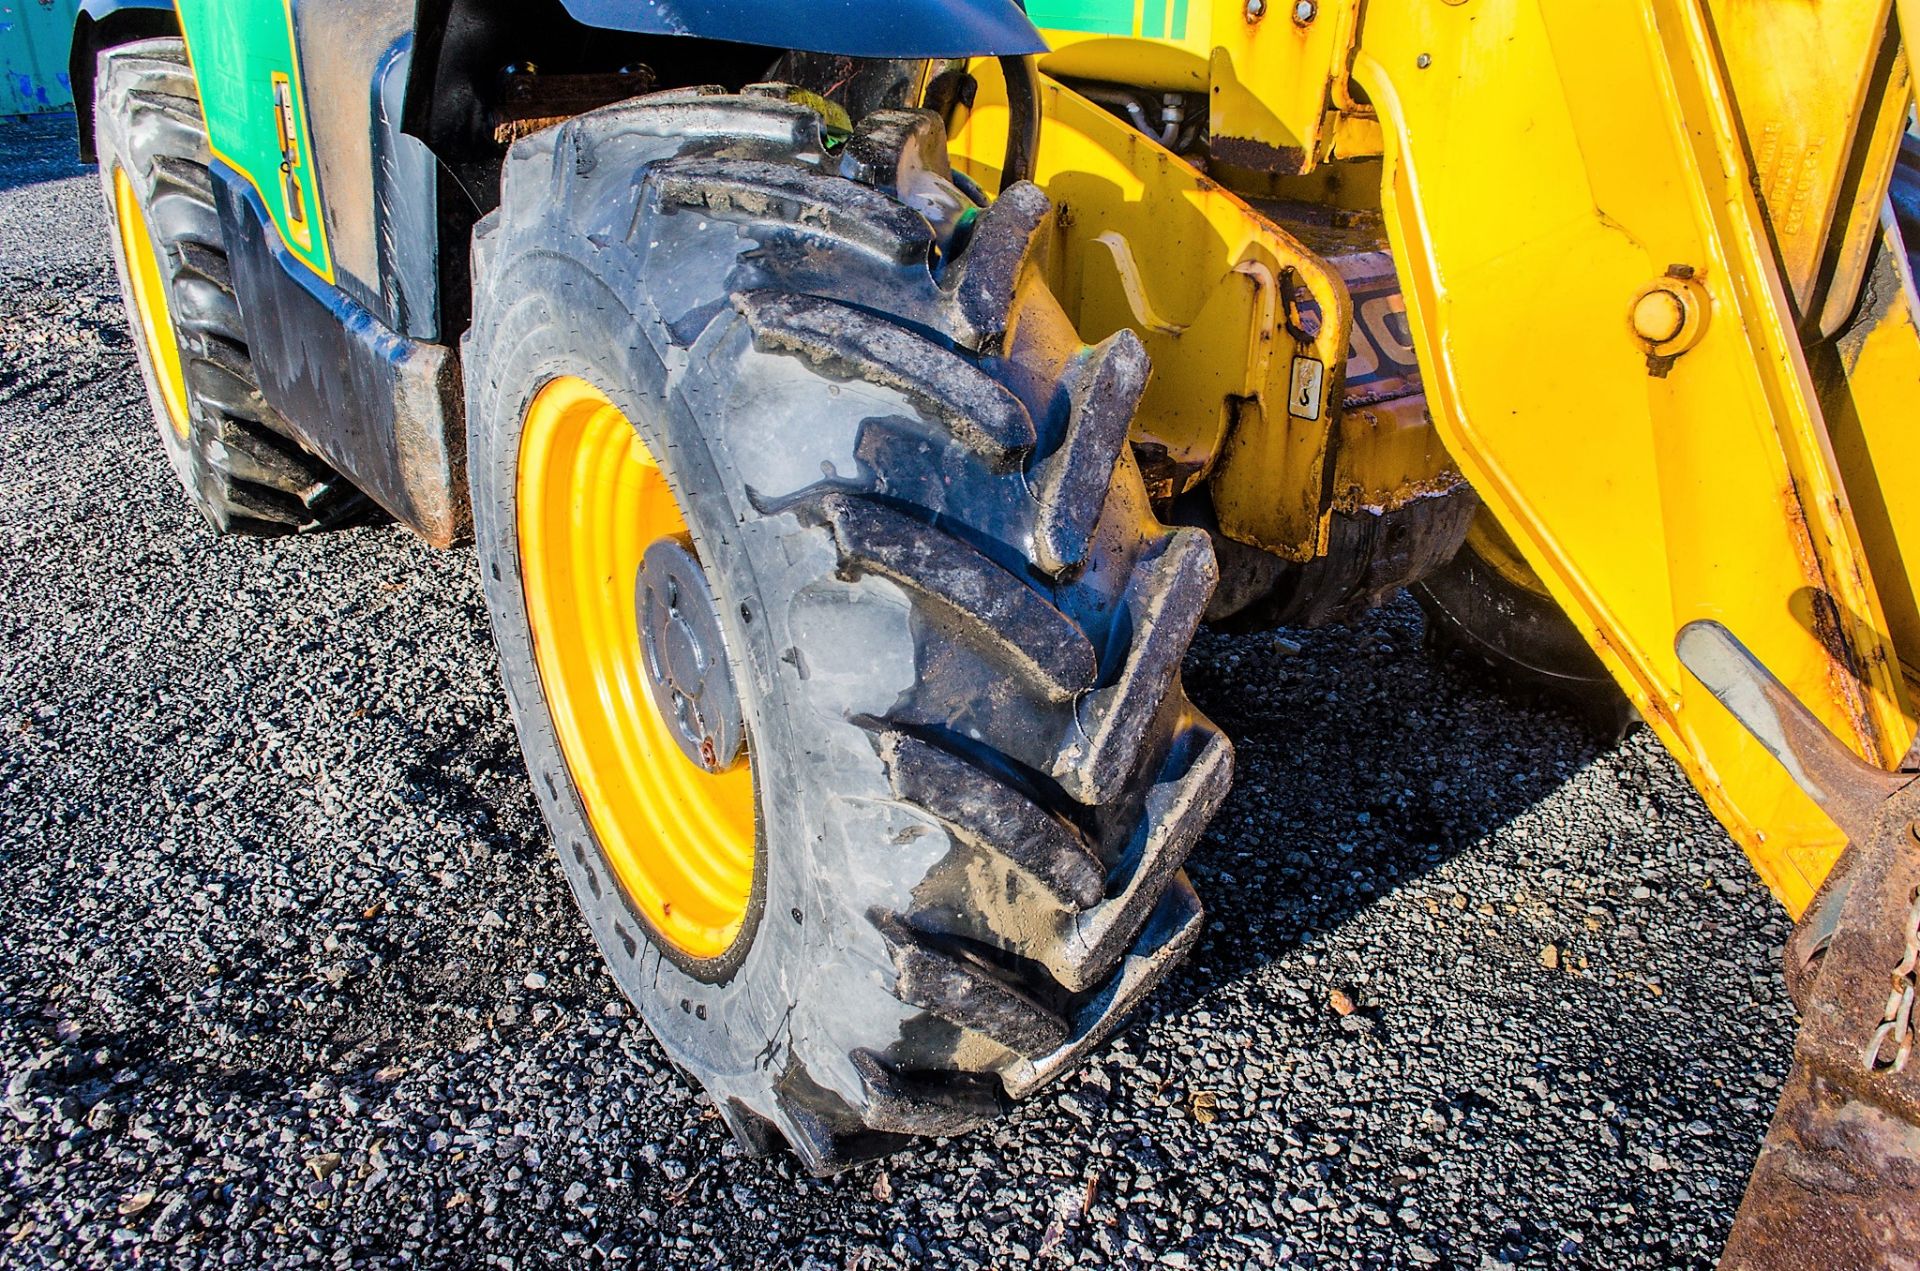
1838, 1180
1836, 1186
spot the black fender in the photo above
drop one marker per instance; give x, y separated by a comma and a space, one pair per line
101, 24
850, 28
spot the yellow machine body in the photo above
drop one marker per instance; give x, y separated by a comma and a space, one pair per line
1676, 361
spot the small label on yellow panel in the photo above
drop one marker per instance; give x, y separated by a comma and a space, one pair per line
1309, 381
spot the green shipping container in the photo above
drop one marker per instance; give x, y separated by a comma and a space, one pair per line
34, 38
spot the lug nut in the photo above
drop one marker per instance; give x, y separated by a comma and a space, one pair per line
1304, 12
1256, 9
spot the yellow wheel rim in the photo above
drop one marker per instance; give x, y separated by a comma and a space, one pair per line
1492, 544
150, 302
592, 497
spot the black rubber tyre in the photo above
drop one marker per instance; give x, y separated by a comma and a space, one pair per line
235, 461
957, 626
1515, 631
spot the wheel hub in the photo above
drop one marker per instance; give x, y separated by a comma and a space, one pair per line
685, 656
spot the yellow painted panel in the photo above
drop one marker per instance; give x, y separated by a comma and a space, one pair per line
1146, 242
1547, 160
1802, 75
1274, 80
1869, 386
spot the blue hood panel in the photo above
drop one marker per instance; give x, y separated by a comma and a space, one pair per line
853, 28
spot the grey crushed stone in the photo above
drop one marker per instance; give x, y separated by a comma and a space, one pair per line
289, 977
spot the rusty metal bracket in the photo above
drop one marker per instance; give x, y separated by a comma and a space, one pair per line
1838, 1179
1847, 787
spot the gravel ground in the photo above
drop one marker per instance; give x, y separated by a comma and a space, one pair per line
288, 975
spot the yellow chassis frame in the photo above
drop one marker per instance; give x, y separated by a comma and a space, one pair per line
1547, 167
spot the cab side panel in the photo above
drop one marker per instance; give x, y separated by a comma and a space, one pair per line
377, 185
246, 62
332, 240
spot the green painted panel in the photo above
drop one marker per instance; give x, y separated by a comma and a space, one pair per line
244, 62
34, 38
1090, 17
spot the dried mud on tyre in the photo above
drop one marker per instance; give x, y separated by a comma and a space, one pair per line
955, 623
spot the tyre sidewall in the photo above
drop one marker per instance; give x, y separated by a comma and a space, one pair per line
734, 1023
122, 147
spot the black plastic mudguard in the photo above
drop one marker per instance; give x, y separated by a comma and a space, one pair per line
382, 409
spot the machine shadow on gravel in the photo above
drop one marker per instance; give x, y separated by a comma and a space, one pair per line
1363, 762
39, 148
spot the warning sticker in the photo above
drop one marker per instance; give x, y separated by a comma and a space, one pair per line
1309, 381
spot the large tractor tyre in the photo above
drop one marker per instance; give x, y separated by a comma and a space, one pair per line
1489, 606
841, 641
224, 442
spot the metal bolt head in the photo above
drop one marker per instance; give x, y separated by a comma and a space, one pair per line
1423, 61
1304, 11
1659, 315
1256, 9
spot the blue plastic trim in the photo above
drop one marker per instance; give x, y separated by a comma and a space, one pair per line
853, 28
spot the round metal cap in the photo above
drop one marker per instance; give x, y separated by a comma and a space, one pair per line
1659, 315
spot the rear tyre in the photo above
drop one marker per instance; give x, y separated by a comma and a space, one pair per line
1488, 605
952, 625
225, 443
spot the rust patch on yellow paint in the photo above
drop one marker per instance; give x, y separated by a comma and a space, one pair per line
1846, 674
